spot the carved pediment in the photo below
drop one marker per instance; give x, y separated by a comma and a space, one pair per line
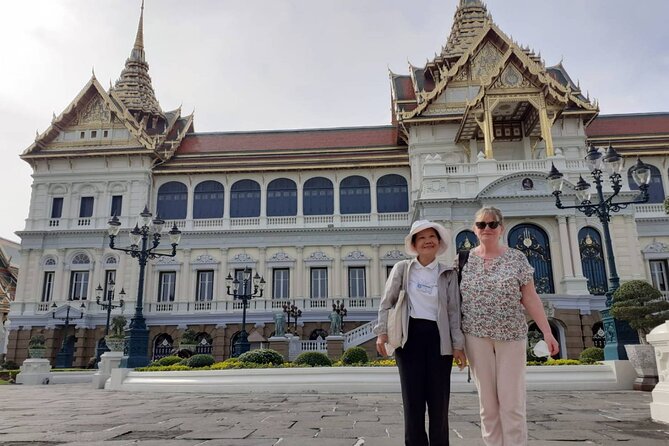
484, 62
94, 112
656, 247
518, 185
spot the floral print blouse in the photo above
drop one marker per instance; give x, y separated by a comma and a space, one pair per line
491, 296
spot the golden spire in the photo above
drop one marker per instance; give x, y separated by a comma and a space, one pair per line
470, 17
134, 87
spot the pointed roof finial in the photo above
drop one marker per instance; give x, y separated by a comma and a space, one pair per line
139, 39
93, 70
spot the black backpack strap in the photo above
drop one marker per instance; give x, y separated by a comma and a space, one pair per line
463, 256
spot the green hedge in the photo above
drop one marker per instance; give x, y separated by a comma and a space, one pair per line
591, 355
262, 356
355, 355
313, 359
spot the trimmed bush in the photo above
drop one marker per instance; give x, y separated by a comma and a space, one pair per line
641, 305
313, 359
263, 356
591, 355
167, 360
9, 365
355, 355
201, 360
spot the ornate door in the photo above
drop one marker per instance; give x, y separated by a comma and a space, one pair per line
533, 242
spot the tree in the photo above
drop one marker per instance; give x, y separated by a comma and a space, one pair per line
641, 305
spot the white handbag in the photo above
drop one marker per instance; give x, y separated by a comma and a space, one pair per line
396, 317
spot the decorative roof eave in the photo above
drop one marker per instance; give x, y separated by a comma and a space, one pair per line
89, 154
198, 169
557, 90
169, 147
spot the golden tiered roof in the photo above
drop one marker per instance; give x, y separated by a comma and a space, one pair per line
469, 19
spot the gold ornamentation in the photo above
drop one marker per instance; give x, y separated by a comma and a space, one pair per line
485, 61
94, 111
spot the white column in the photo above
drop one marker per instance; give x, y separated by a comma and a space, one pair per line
575, 251
60, 282
565, 247
262, 253
299, 273
374, 273
336, 274
185, 279
222, 291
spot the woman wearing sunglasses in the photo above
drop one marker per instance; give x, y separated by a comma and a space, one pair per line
497, 286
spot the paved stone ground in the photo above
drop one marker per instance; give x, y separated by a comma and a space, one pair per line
77, 415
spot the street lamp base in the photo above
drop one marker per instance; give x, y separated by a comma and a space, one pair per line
618, 334
138, 348
242, 344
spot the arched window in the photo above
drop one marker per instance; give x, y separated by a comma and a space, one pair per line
205, 344
172, 201
354, 195
318, 333
533, 332
598, 335
466, 240
318, 197
592, 260
162, 346
208, 200
392, 194
281, 198
655, 188
81, 259
245, 199
533, 242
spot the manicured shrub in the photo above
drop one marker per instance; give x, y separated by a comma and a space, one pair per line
262, 356
355, 355
313, 359
641, 305
167, 360
197, 361
591, 355
163, 368
9, 365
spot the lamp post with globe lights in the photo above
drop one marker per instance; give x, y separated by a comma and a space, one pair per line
241, 289
64, 357
106, 303
144, 240
602, 206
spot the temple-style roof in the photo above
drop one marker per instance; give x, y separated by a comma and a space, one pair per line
134, 88
313, 149
480, 62
632, 134
128, 108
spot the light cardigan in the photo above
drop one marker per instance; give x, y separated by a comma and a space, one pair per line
448, 308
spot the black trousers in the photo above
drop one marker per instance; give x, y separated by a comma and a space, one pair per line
425, 376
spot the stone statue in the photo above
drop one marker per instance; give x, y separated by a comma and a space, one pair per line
335, 323
279, 324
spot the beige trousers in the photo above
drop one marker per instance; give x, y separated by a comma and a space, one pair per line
498, 368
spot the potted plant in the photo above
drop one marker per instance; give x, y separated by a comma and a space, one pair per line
116, 338
36, 347
642, 306
188, 340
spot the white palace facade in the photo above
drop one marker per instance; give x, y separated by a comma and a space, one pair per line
321, 213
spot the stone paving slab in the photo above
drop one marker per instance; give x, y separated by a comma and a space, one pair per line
78, 415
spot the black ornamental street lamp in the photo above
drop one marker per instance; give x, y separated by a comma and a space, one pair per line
242, 290
140, 239
292, 310
107, 305
617, 333
64, 357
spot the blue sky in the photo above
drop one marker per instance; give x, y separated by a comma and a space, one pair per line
279, 64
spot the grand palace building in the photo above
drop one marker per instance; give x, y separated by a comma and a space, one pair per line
321, 214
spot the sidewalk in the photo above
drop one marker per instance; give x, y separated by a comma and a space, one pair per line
77, 415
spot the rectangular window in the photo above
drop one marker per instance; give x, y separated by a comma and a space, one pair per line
116, 203
319, 283
389, 268
94, 133
105, 133
356, 282
244, 288
167, 286
57, 207
280, 283
205, 286
79, 285
659, 274
86, 207
82, 135
110, 276
47, 289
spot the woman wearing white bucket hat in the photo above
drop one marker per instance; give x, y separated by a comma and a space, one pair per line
430, 336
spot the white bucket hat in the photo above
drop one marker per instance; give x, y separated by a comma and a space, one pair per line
420, 225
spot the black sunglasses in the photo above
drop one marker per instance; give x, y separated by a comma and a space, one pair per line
483, 224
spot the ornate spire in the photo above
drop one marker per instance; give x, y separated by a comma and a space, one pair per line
469, 19
133, 87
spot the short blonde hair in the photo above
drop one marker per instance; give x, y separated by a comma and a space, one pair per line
489, 210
